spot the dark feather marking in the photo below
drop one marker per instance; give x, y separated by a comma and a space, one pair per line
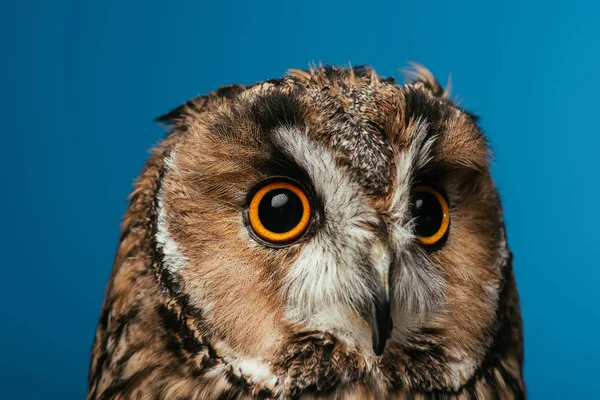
229, 395
179, 112
439, 395
125, 386
277, 109
239, 383
180, 339
167, 281
197, 104
471, 392
130, 352
510, 381
230, 91
105, 358
433, 110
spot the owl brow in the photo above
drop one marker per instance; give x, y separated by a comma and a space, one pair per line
466, 163
470, 155
270, 111
435, 173
467, 156
276, 109
432, 172
459, 142
281, 163
461, 148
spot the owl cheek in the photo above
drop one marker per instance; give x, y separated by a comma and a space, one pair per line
417, 287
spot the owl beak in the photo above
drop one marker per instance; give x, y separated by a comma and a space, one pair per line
381, 322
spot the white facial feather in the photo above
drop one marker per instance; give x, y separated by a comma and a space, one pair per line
173, 259
417, 287
327, 283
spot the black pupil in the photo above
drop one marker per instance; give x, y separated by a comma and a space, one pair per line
428, 213
280, 210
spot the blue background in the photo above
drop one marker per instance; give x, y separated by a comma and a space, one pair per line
81, 82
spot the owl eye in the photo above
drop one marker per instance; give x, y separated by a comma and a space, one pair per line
430, 211
279, 212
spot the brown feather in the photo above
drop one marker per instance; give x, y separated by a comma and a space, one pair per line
197, 308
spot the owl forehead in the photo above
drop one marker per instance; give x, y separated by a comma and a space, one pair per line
345, 115
363, 120
349, 117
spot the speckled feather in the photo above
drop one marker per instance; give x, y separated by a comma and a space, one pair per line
196, 309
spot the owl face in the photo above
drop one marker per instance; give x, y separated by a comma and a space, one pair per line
337, 206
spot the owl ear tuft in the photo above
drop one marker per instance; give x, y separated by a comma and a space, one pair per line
178, 114
197, 105
417, 73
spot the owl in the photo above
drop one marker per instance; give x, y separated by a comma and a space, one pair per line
330, 234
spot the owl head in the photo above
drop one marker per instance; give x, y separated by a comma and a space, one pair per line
335, 227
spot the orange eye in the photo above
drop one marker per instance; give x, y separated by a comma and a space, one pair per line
430, 211
279, 212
